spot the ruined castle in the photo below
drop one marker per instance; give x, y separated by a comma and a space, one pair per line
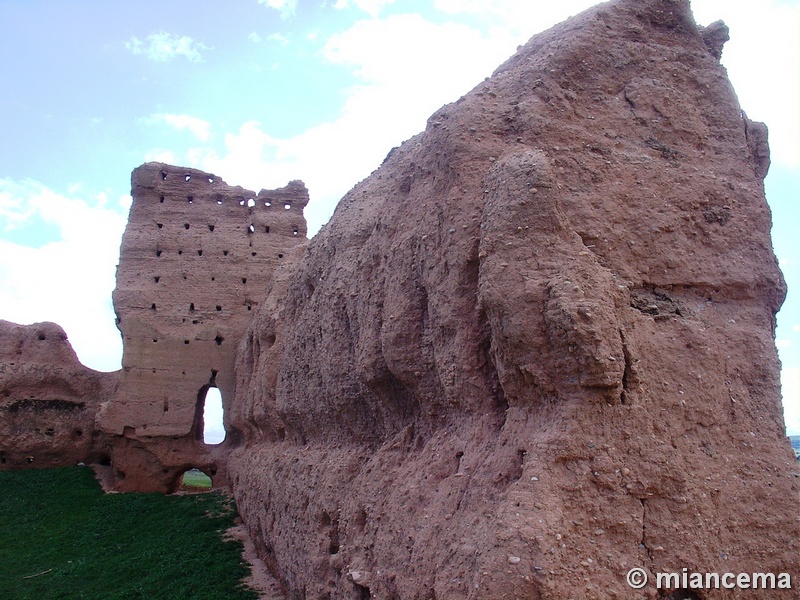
195, 261
533, 350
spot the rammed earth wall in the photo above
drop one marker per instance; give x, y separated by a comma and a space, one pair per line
195, 260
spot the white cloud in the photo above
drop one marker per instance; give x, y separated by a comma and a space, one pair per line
13, 211
287, 8
762, 62
762, 53
371, 7
254, 37
463, 53
525, 17
124, 202
162, 156
377, 115
277, 37
200, 128
163, 47
69, 280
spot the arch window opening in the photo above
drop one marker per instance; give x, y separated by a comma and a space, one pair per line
194, 480
211, 428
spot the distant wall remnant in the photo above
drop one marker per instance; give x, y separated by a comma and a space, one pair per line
195, 260
48, 399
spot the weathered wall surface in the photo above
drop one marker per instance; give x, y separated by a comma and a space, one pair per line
195, 260
48, 399
535, 348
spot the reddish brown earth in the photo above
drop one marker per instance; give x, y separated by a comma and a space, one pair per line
195, 259
194, 262
48, 399
535, 348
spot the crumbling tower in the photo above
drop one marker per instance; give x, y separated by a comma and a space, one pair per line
195, 260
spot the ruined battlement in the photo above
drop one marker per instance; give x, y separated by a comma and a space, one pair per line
196, 256
195, 261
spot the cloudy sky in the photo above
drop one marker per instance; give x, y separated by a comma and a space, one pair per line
260, 92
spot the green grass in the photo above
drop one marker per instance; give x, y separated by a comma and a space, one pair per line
61, 537
196, 479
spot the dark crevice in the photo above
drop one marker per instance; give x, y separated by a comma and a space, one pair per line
459, 456
667, 153
396, 396
333, 533
490, 368
643, 544
33, 404
625, 396
655, 303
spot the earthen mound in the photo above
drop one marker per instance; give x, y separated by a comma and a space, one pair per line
48, 399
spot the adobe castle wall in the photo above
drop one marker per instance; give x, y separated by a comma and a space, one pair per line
195, 261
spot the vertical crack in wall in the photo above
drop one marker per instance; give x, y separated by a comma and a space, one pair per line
625, 396
643, 545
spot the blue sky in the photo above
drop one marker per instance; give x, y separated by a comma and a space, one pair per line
263, 91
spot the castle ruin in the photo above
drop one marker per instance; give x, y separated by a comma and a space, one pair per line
195, 261
534, 349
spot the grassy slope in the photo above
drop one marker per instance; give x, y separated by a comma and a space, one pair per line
109, 546
196, 479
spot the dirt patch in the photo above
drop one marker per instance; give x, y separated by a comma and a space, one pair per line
260, 579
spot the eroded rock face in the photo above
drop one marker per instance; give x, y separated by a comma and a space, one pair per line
194, 263
48, 399
535, 348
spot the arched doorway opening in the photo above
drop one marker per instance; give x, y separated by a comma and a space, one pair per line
213, 427
195, 480
209, 426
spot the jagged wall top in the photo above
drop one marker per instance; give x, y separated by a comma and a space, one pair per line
196, 258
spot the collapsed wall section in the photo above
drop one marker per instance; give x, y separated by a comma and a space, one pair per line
195, 260
48, 400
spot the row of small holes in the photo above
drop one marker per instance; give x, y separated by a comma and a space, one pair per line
218, 308
219, 339
186, 177
224, 253
157, 278
250, 229
250, 202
